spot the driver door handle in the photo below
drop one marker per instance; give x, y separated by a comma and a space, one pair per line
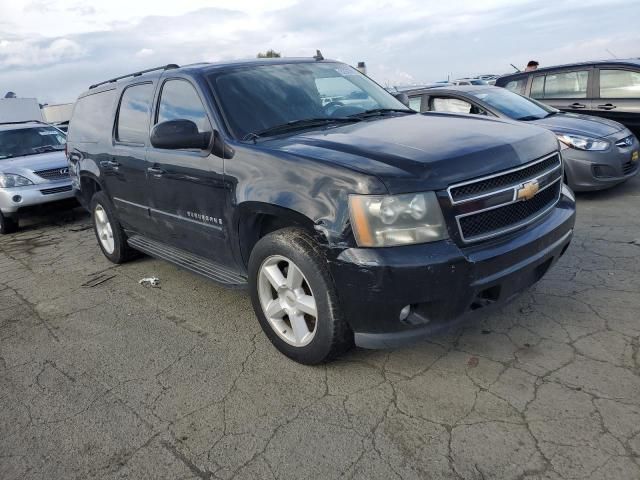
606, 106
577, 105
156, 172
110, 164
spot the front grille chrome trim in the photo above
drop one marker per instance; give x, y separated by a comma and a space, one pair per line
500, 174
510, 228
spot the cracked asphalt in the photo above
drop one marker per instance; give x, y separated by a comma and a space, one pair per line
101, 377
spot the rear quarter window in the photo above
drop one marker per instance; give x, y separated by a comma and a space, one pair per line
517, 86
91, 119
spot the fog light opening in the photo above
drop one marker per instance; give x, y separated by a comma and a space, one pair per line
16, 199
404, 313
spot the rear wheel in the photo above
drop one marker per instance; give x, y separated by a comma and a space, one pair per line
111, 238
294, 298
7, 225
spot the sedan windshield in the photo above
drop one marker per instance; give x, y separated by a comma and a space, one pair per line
30, 141
513, 105
260, 100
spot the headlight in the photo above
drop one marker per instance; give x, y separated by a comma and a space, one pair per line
584, 143
8, 180
388, 220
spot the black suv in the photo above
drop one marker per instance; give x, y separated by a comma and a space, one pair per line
607, 88
349, 217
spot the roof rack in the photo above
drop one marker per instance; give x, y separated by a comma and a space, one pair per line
23, 121
136, 74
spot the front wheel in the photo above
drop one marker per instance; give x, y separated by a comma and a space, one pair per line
111, 237
294, 298
7, 225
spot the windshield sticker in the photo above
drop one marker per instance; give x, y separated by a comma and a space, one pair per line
345, 71
48, 132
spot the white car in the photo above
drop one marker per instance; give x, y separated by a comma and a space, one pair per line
33, 169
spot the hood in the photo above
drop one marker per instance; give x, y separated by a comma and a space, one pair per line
41, 161
577, 124
428, 151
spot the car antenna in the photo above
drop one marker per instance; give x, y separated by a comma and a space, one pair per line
318, 56
517, 69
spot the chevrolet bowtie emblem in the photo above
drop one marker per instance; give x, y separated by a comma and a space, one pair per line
528, 190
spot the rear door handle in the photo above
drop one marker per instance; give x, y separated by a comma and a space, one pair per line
606, 106
577, 105
156, 172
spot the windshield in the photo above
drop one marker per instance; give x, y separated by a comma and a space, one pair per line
513, 105
258, 98
30, 141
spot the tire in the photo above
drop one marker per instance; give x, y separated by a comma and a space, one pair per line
111, 238
310, 286
8, 225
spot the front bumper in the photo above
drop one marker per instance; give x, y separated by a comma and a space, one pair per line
12, 200
588, 170
441, 281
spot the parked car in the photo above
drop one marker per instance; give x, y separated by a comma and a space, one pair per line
598, 153
607, 88
348, 224
33, 170
469, 81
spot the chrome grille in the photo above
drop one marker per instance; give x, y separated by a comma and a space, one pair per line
54, 173
491, 206
474, 188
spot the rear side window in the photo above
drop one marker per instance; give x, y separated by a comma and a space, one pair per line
180, 101
517, 86
133, 114
415, 103
619, 84
453, 105
537, 87
91, 119
566, 85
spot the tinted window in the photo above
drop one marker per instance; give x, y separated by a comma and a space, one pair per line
517, 86
91, 119
566, 85
30, 141
415, 103
339, 89
180, 101
619, 84
513, 105
260, 97
133, 115
537, 87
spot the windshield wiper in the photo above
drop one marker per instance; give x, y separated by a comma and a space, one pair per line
49, 148
381, 111
298, 124
529, 118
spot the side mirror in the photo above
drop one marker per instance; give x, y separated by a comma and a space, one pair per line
176, 134
402, 98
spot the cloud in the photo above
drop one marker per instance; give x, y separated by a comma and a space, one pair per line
144, 52
54, 56
24, 53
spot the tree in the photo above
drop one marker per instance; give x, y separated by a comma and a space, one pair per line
271, 53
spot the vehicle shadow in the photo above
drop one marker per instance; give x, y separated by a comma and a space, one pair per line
50, 215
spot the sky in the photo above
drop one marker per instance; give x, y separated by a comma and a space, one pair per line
54, 49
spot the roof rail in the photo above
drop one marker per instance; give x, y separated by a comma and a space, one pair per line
23, 121
136, 74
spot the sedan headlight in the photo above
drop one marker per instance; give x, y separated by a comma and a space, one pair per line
8, 180
584, 143
390, 220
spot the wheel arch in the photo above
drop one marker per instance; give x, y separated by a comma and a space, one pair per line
256, 219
